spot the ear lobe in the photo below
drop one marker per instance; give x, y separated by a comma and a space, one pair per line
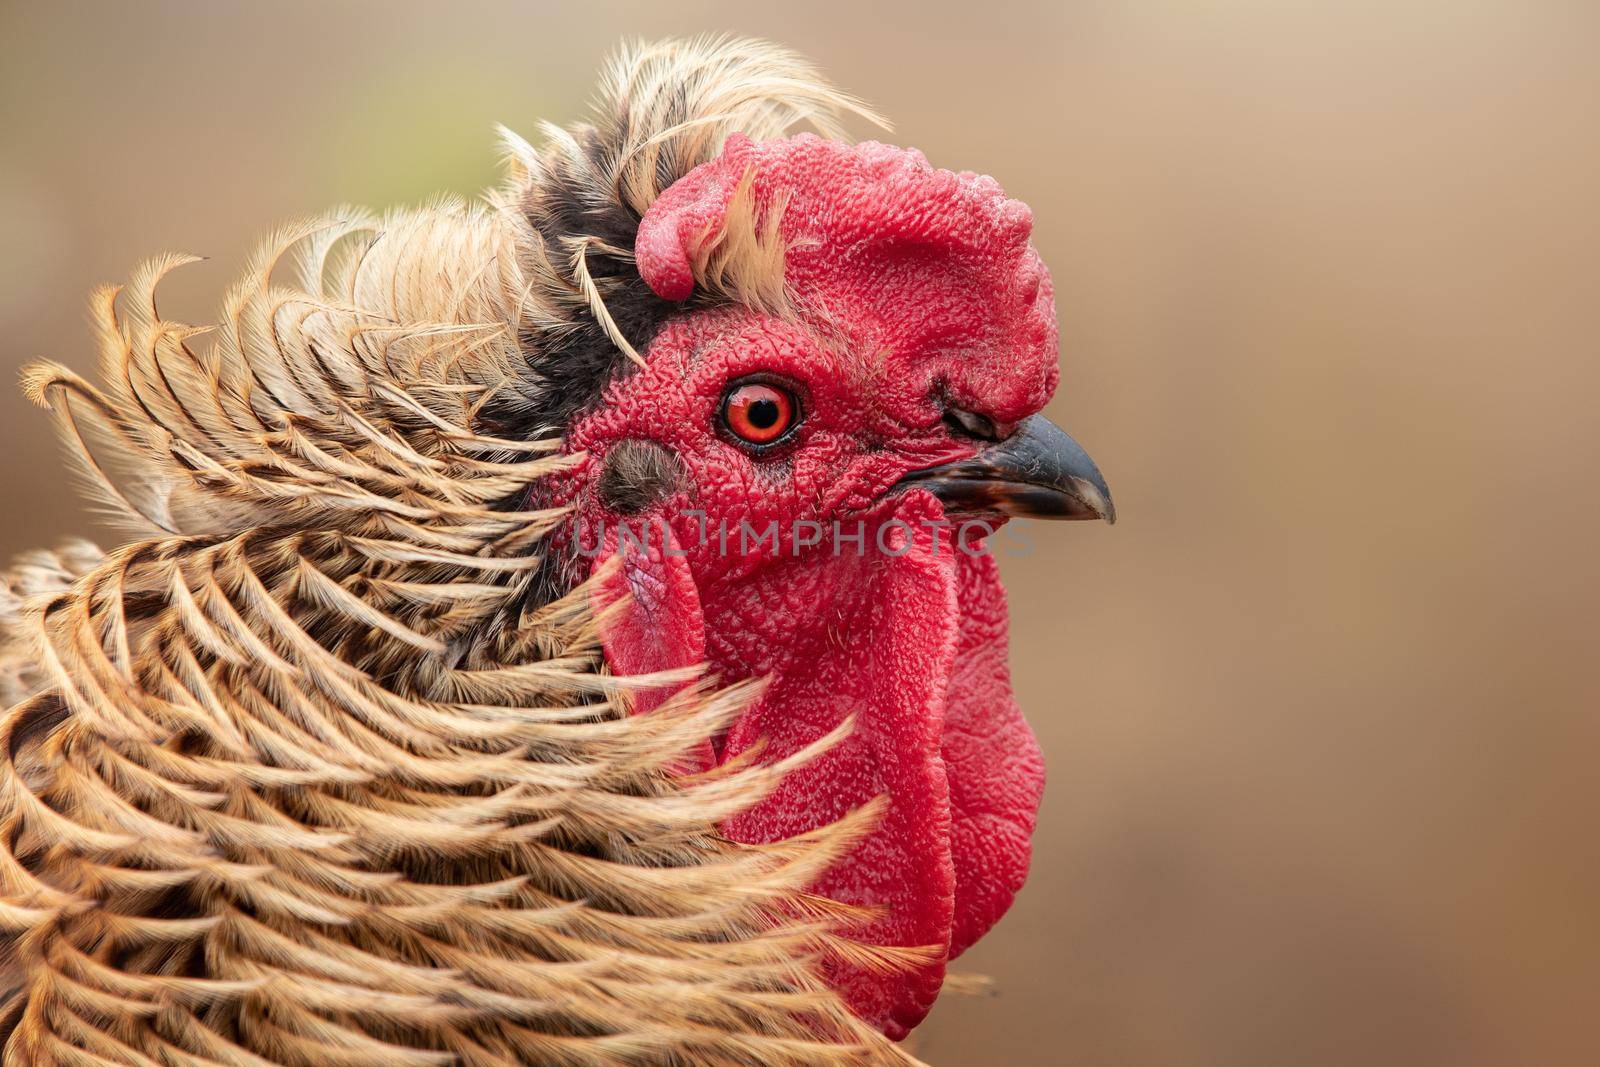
659, 625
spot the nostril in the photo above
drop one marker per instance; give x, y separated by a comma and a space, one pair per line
971, 424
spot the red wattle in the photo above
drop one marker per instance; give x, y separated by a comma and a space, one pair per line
994, 764
885, 657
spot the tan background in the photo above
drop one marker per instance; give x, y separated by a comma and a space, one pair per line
1320, 712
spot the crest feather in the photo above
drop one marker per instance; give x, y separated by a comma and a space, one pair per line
576, 200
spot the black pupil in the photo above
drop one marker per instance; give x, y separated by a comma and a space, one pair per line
763, 413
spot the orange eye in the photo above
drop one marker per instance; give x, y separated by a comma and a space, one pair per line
758, 413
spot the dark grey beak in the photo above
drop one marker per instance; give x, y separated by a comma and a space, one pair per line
1038, 472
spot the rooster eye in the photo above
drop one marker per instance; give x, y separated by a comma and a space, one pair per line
759, 413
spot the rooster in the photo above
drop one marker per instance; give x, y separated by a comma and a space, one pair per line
555, 629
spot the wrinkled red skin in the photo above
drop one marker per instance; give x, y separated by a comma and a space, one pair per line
917, 288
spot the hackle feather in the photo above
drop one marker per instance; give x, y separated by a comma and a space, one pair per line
310, 771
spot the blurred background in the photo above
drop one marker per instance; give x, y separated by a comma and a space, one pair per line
1322, 711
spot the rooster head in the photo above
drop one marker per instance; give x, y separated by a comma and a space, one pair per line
801, 380
801, 480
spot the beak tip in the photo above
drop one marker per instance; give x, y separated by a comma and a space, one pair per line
1096, 496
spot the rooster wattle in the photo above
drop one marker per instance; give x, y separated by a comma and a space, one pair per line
558, 630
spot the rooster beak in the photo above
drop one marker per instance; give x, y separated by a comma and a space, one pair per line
1037, 472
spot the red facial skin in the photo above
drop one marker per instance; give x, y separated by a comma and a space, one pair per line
916, 288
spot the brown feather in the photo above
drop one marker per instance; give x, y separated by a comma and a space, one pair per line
301, 776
